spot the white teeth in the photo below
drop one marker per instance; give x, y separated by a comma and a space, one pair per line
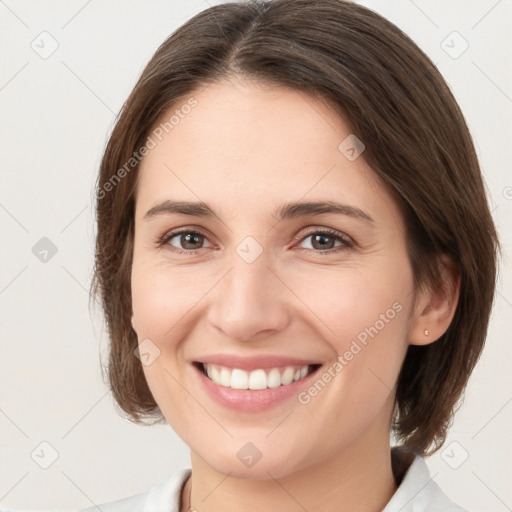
225, 378
239, 379
213, 373
287, 376
273, 378
256, 379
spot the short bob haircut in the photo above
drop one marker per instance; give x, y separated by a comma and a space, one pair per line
396, 102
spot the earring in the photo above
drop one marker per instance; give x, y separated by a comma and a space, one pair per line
426, 332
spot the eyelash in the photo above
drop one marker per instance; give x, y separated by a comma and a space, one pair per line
347, 243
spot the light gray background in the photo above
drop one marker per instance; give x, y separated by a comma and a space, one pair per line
56, 113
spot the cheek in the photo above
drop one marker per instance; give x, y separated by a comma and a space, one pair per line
358, 302
364, 315
161, 299
367, 322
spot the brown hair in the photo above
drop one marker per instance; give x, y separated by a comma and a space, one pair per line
416, 139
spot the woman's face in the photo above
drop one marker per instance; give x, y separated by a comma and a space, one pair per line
252, 283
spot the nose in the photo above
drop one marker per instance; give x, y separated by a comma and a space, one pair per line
249, 302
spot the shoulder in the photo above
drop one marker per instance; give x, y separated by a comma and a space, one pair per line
162, 497
418, 492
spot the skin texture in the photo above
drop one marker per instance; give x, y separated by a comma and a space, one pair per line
245, 149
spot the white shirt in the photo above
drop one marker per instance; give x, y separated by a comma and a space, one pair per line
417, 493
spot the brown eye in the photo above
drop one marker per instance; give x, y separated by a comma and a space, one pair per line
190, 240
324, 240
185, 240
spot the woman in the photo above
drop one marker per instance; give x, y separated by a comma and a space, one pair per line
296, 260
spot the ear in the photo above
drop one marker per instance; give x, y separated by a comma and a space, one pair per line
434, 308
133, 323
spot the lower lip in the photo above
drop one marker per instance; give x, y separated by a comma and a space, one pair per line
252, 400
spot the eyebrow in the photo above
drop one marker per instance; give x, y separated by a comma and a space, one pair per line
286, 211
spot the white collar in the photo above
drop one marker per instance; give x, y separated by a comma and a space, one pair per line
417, 493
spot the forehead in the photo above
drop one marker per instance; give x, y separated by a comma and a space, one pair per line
247, 146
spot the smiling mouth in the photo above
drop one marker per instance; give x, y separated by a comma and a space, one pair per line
261, 378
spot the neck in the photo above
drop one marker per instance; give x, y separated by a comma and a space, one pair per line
358, 478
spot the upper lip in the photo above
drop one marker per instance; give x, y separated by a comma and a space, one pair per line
254, 362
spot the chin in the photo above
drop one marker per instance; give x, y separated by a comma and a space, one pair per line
254, 461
